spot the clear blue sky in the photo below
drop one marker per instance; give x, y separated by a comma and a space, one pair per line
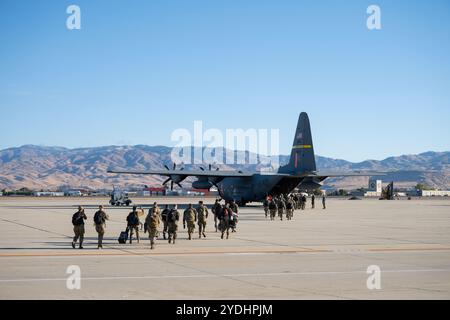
137, 70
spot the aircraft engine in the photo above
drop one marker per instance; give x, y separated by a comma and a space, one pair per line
202, 184
309, 184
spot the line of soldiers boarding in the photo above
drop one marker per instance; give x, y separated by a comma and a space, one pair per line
287, 204
225, 219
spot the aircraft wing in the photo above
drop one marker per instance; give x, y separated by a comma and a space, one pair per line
334, 174
186, 173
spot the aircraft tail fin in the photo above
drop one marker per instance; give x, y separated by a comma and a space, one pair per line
302, 156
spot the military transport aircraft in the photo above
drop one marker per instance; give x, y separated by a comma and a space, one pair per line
244, 187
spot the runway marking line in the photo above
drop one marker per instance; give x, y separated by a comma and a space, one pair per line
119, 252
237, 275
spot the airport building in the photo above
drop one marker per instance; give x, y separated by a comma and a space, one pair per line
48, 194
434, 193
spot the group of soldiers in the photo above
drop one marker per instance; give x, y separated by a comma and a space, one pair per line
285, 205
225, 219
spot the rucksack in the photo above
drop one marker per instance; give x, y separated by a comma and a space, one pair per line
289, 205
98, 218
123, 237
133, 220
77, 219
153, 222
164, 214
191, 215
172, 216
272, 206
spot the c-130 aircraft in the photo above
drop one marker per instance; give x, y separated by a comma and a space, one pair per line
244, 187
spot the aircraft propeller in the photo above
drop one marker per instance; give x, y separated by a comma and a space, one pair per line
174, 178
213, 180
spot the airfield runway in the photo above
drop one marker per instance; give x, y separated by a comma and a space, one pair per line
321, 254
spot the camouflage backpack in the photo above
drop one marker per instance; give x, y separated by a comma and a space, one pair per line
191, 215
201, 213
153, 222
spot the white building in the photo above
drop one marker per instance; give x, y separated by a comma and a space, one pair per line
434, 193
48, 194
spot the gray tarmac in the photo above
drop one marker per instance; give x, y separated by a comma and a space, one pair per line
321, 254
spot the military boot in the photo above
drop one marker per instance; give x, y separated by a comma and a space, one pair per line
204, 235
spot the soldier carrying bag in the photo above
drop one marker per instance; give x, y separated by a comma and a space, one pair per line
98, 219
77, 219
123, 237
289, 205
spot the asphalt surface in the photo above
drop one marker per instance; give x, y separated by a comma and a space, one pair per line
321, 254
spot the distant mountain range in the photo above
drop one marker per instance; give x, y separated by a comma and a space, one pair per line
38, 167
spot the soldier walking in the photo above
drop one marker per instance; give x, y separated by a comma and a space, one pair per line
323, 201
202, 215
133, 224
172, 224
224, 217
78, 226
153, 221
273, 208
266, 206
164, 214
303, 202
234, 216
296, 201
313, 201
100, 218
281, 207
290, 209
189, 219
216, 210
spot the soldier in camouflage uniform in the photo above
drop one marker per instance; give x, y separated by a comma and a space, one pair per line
172, 223
153, 222
234, 217
202, 216
273, 208
281, 207
164, 214
216, 210
302, 202
100, 218
296, 201
78, 226
133, 224
290, 208
189, 219
266, 206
